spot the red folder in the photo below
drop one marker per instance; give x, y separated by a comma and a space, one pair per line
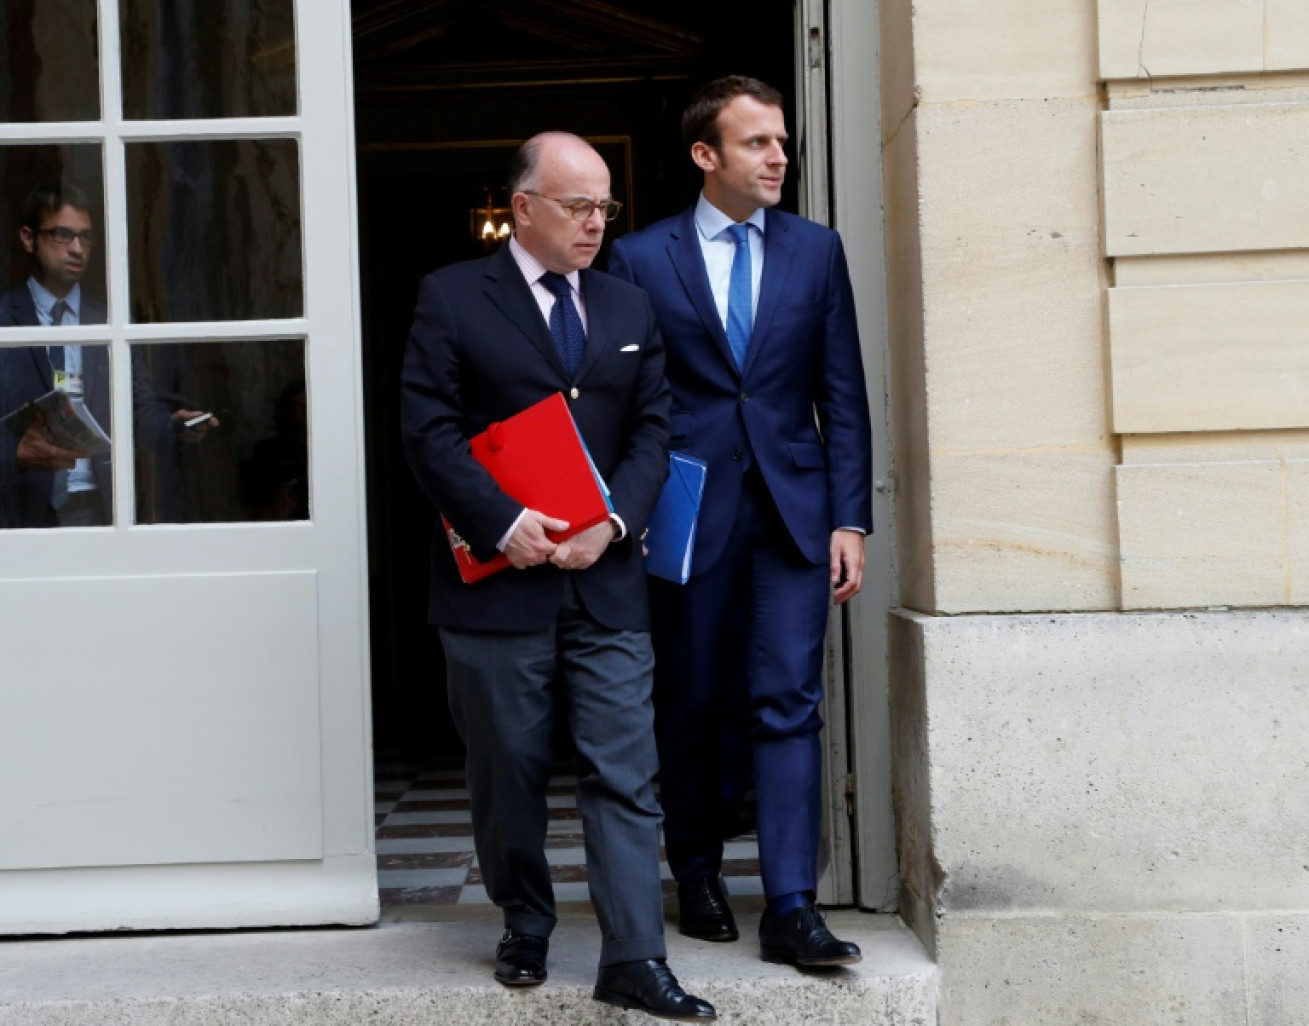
538, 458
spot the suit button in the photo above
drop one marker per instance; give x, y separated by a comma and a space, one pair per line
738, 455
574, 393
745, 397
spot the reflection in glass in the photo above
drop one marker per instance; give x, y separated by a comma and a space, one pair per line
208, 59
214, 230
49, 61
248, 460
47, 476
32, 178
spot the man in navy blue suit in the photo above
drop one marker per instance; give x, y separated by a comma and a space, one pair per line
41, 484
490, 338
757, 315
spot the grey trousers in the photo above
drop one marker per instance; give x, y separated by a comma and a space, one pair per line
505, 690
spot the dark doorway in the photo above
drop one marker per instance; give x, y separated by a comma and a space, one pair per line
444, 91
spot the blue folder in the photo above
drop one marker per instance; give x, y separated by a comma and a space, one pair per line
670, 535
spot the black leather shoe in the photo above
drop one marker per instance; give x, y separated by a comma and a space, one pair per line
650, 987
702, 911
520, 959
802, 938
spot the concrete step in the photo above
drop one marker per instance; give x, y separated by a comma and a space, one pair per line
414, 973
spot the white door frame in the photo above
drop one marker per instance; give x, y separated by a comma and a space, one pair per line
141, 744
839, 152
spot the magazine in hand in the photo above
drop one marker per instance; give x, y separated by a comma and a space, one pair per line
68, 423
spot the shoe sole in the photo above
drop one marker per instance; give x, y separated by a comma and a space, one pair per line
610, 997
519, 981
720, 938
784, 956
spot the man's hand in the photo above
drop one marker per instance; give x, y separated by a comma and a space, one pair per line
36, 452
529, 545
197, 432
581, 550
847, 564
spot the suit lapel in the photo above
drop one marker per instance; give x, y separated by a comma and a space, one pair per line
688, 263
603, 313
778, 254
22, 311
509, 291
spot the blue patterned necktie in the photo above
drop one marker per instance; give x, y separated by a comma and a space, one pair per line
740, 295
565, 322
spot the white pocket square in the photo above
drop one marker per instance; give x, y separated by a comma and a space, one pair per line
629, 349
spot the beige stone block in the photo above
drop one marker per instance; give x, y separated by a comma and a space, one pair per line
1206, 179
1102, 763
1288, 35
1004, 49
1211, 268
1024, 530
1223, 447
1210, 357
1012, 275
1112, 971
904, 298
1202, 535
1297, 530
896, 66
1152, 38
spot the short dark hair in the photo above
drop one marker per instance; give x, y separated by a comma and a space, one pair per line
49, 198
700, 119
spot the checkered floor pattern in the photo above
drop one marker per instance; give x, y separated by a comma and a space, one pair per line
425, 851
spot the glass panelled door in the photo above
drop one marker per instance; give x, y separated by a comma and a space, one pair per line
183, 693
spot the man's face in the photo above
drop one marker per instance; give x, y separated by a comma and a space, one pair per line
568, 170
59, 263
746, 169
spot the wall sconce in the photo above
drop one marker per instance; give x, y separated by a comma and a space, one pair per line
491, 225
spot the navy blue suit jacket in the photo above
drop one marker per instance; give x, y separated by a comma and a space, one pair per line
799, 407
479, 351
25, 374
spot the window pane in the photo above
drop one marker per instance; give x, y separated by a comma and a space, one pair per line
208, 59
32, 180
249, 460
214, 230
49, 61
54, 461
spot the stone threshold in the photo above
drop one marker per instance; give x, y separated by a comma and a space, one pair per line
409, 973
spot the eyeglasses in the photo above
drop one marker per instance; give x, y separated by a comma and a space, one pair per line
581, 209
65, 236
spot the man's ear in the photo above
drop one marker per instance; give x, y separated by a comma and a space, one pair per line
518, 203
706, 159
28, 238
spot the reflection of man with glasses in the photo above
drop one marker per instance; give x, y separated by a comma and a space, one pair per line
42, 484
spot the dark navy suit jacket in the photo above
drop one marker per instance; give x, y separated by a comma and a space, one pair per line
799, 407
25, 374
479, 352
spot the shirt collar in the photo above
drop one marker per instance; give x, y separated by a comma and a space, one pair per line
712, 222
532, 268
44, 300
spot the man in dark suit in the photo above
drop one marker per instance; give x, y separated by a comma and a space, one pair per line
41, 484
757, 314
490, 338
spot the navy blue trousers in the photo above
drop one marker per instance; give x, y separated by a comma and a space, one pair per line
738, 682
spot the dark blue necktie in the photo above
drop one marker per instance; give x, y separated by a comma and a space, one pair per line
565, 322
740, 295
57, 314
